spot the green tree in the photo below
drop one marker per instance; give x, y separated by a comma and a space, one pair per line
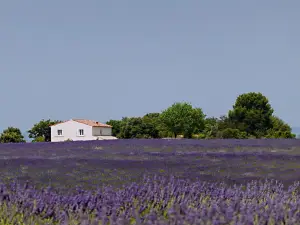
232, 133
131, 128
252, 114
279, 129
136, 127
139, 127
210, 128
224, 122
11, 135
214, 127
42, 129
151, 125
39, 139
182, 118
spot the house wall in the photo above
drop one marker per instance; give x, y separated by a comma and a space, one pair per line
106, 131
70, 131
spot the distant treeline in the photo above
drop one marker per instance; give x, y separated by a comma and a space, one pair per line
251, 117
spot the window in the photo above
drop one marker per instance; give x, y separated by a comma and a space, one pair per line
81, 133
59, 132
100, 132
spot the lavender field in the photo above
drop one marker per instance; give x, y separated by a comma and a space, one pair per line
151, 182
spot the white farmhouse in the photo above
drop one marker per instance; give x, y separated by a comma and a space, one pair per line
81, 130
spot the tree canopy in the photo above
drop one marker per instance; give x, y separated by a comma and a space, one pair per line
182, 118
11, 135
252, 113
41, 131
279, 129
251, 117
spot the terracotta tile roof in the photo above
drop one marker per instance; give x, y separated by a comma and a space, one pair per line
91, 123
58, 123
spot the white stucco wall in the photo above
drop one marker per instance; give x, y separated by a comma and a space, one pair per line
102, 131
70, 131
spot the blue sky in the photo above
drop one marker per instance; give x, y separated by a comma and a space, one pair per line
107, 59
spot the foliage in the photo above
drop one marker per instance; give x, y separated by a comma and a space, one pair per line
279, 129
211, 128
232, 133
42, 129
280, 134
39, 139
252, 113
11, 135
137, 127
251, 117
131, 128
182, 118
151, 124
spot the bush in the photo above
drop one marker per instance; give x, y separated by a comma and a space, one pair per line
39, 139
229, 133
199, 136
68, 139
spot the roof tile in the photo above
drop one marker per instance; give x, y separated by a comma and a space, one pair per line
91, 123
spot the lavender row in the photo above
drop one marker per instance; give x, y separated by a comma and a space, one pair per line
147, 146
94, 167
159, 201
